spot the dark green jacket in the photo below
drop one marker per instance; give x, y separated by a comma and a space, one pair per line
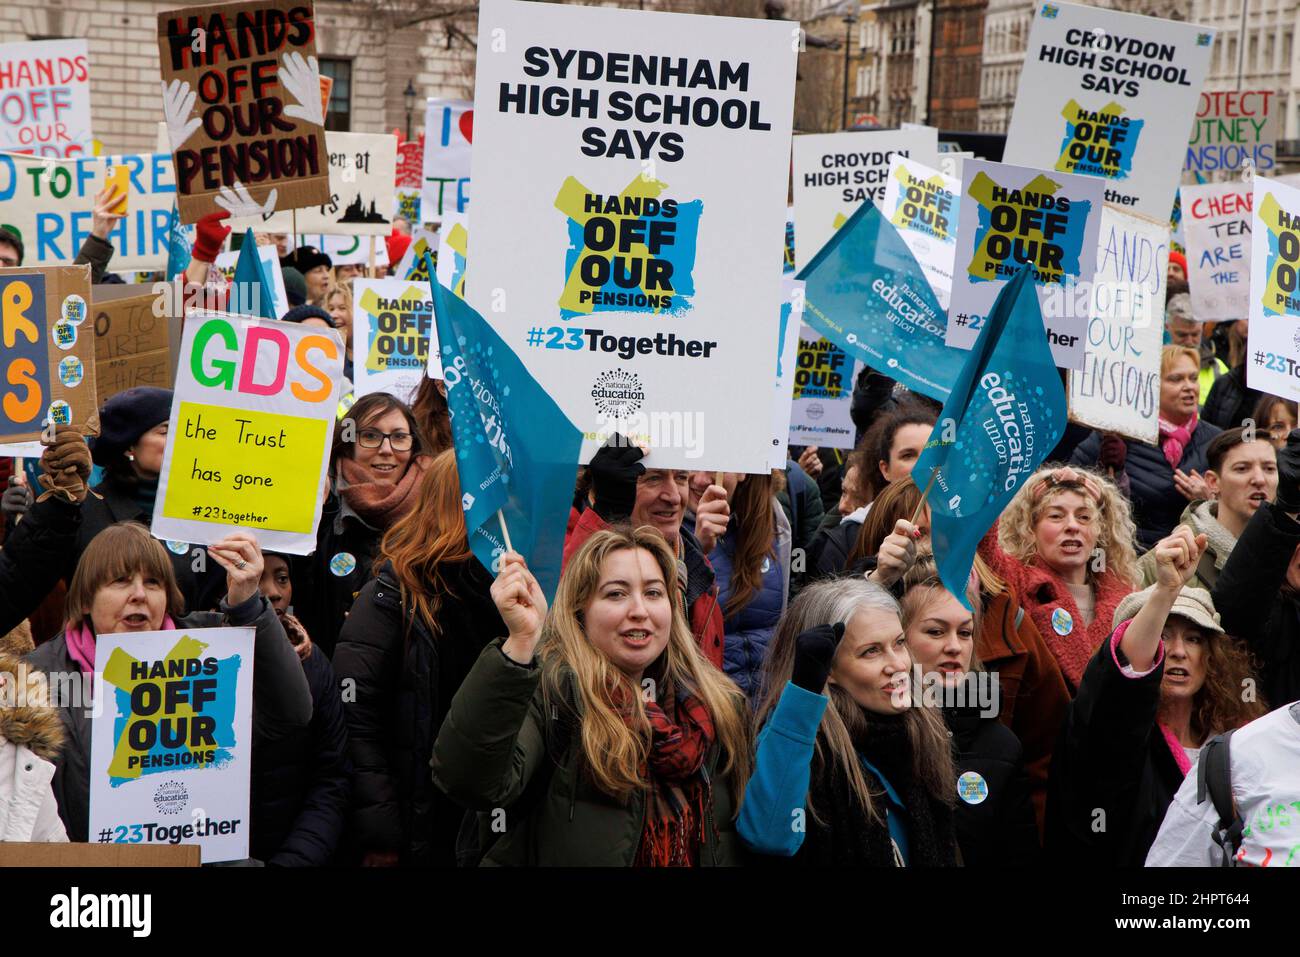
500, 753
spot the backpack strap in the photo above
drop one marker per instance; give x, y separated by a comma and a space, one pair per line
1214, 778
1206, 570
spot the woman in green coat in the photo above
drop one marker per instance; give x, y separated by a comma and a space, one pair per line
619, 744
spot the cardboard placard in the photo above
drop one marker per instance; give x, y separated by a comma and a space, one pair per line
45, 106
638, 264
362, 169
50, 205
22, 854
251, 424
242, 101
834, 173
448, 135
1110, 95
47, 366
1118, 389
171, 745
1216, 223
1233, 129
132, 345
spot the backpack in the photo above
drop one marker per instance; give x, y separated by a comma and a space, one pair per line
1214, 778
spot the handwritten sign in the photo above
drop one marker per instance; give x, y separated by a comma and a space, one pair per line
448, 136
132, 344
1233, 129
45, 98
1216, 223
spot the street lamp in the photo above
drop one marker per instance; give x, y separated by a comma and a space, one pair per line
408, 97
850, 18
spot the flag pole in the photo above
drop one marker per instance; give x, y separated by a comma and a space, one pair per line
505, 532
934, 473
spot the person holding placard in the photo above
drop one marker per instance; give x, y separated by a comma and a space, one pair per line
1165, 681
124, 582
96, 249
1161, 480
378, 457
412, 636
633, 748
1064, 546
848, 772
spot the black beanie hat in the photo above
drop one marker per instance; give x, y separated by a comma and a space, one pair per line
307, 258
10, 235
301, 313
127, 416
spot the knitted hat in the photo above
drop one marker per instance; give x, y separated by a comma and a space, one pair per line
1194, 604
1179, 258
295, 286
304, 312
307, 258
398, 244
127, 416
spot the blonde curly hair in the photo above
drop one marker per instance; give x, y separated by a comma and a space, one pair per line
1116, 532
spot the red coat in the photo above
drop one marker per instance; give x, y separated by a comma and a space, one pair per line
1044, 595
702, 592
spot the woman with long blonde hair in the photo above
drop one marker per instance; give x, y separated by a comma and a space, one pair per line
1064, 547
599, 730
849, 770
412, 636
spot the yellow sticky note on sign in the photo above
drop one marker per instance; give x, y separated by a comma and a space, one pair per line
119, 178
243, 467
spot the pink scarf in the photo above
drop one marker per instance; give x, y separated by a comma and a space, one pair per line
1174, 438
81, 643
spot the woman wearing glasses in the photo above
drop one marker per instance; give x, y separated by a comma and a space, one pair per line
375, 468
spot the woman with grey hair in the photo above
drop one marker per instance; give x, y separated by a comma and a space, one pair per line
847, 772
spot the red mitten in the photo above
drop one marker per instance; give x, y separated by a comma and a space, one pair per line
209, 236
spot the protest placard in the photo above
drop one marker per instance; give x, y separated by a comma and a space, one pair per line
787, 348
50, 204
412, 264
250, 430
410, 177
1274, 362
242, 101
132, 344
1118, 389
270, 258
45, 98
834, 173
448, 139
1216, 223
923, 205
1110, 95
171, 739
393, 339
347, 250
643, 244
1011, 216
1233, 129
453, 252
47, 366
823, 392
362, 169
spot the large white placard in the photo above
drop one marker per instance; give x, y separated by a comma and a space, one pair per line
1119, 387
834, 173
171, 740
1111, 95
630, 259
1216, 223
1273, 364
1012, 217
50, 203
45, 98
924, 204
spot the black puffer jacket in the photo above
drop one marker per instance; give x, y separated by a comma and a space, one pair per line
1248, 596
1230, 401
32, 558
201, 590
302, 782
405, 680
995, 819
1157, 503
333, 575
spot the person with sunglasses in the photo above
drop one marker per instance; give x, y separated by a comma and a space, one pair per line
378, 457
